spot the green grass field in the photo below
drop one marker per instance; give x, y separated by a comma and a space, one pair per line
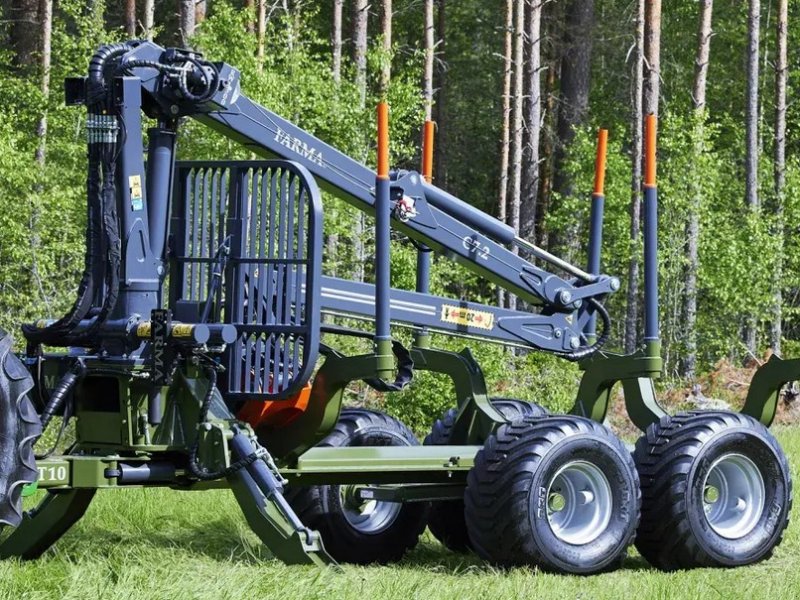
160, 544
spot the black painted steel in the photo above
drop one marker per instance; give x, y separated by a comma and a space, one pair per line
269, 215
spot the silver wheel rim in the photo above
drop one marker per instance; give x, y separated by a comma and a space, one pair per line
367, 516
579, 505
733, 496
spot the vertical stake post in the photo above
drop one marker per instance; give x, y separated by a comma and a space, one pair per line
422, 339
383, 338
596, 220
650, 219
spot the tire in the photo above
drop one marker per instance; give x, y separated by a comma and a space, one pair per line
515, 514
19, 429
446, 517
391, 529
716, 488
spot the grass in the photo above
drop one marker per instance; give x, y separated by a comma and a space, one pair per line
160, 544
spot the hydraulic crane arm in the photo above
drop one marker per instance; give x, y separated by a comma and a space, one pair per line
167, 84
442, 222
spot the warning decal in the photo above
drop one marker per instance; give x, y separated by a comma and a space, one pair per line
466, 316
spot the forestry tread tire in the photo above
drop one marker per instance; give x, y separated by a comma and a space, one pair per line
506, 498
320, 506
19, 429
674, 458
446, 517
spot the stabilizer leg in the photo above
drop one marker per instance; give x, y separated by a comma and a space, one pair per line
260, 495
44, 525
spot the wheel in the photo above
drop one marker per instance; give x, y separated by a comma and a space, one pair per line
354, 531
557, 492
19, 429
716, 491
446, 517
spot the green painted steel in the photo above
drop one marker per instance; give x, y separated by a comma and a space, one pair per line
762, 397
635, 372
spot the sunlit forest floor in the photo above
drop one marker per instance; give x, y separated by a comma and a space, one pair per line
160, 544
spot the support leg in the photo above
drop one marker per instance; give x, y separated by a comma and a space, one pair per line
43, 526
269, 515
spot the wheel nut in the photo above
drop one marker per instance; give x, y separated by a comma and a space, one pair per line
586, 496
710, 494
556, 502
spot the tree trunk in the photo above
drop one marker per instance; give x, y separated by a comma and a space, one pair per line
24, 31
502, 196
576, 64
261, 33
693, 224
534, 123
360, 21
440, 151
360, 14
336, 40
779, 166
46, 17
427, 78
250, 8
186, 21
751, 113
652, 56
130, 18
548, 150
200, 8
386, 59
751, 139
637, 124
148, 15
332, 239
519, 100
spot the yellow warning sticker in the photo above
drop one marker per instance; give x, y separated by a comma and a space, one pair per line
135, 185
143, 329
466, 316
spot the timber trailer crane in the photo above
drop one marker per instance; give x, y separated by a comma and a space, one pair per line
191, 349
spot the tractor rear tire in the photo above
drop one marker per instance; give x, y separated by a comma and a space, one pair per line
557, 492
716, 488
361, 532
19, 429
446, 518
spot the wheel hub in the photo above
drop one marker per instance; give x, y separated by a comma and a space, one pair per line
367, 516
579, 505
733, 496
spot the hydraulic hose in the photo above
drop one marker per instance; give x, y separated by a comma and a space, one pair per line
605, 321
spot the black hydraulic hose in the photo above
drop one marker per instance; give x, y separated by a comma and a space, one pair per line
605, 321
96, 82
63, 388
96, 225
195, 468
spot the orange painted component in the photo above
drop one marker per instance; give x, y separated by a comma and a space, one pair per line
427, 151
383, 140
275, 413
600, 162
650, 150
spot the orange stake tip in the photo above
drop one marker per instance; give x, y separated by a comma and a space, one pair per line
600, 162
650, 129
383, 140
427, 151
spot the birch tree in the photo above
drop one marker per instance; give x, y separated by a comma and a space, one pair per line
779, 166
534, 122
751, 138
693, 224
637, 124
518, 100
